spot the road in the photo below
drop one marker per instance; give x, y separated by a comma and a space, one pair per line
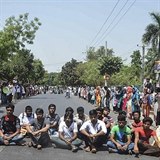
26, 153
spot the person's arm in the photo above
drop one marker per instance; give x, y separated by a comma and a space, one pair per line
115, 142
127, 143
156, 140
13, 135
45, 129
136, 149
74, 137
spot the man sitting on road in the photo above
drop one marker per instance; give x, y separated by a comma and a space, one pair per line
93, 131
10, 127
120, 139
39, 132
142, 136
67, 134
25, 118
53, 119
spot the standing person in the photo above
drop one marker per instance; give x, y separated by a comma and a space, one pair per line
94, 131
39, 130
120, 139
53, 119
142, 136
25, 118
10, 127
135, 100
67, 134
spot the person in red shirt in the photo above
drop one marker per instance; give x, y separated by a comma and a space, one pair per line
142, 136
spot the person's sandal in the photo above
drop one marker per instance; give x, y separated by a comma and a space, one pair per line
93, 150
39, 147
29, 144
87, 149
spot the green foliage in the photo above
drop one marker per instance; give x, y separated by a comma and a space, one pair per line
152, 33
89, 73
125, 77
16, 60
136, 63
38, 71
69, 75
110, 65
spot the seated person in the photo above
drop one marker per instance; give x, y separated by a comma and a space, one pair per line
38, 130
100, 113
80, 117
93, 132
68, 110
53, 118
25, 118
10, 127
142, 136
120, 139
67, 134
108, 120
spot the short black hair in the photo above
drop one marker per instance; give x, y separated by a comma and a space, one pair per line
69, 109
28, 108
10, 105
99, 109
121, 118
136, 112
52, 105
123, 113
39, 111
106, 109
148, 119
80, 109
93, 112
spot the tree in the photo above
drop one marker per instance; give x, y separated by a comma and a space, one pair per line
13, 39
136, 63
38, 71
152, 33
124, 77
19, 64
110, 65
89, 73
68, 74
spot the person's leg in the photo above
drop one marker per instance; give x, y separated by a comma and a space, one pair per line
77, 142
111, 146
44, 139
1, 140
16, 139
59, 143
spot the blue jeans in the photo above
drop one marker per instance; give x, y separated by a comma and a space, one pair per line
111, 145
15, 139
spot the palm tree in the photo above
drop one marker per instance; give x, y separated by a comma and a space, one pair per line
152, 34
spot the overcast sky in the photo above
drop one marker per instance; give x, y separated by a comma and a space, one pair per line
69, 27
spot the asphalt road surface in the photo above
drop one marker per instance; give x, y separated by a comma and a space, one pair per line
51, 153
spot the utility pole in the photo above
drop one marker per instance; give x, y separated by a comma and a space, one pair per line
106, 48
143, 64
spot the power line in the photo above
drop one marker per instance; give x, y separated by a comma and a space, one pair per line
116, 16
117, 22
104, 22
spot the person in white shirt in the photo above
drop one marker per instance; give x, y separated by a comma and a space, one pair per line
67, 134
94, 131
25, 118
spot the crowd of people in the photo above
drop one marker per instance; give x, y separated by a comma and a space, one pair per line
74, 131
126, 98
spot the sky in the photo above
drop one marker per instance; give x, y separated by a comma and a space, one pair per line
70, 27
